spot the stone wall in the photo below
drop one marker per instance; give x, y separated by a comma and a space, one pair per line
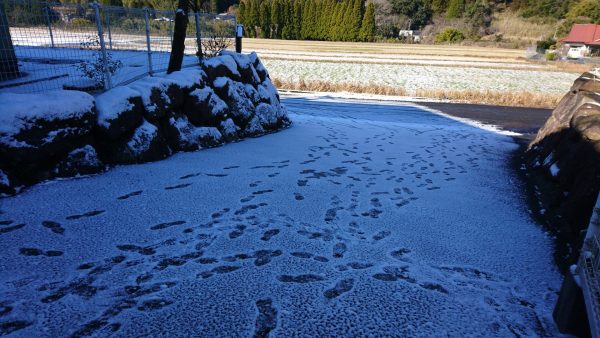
564, 159
69, 133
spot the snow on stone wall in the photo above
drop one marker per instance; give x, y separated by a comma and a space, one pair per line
564, 159
67, 133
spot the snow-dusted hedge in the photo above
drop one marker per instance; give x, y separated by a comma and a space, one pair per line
66, 133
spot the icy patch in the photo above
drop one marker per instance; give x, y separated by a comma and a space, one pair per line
19, 110
142, 138
113, 103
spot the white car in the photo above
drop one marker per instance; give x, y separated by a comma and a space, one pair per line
576, 52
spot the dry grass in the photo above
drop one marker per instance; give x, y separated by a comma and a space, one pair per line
512, 99
514, 27
573, 67
323, 86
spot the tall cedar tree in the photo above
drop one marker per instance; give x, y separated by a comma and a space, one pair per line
265, 20
367, 28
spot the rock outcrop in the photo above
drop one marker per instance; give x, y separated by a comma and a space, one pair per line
565, 161
69, 133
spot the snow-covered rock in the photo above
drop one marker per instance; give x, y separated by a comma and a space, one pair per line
267, 116
66, 133
218, 66
81, 161
245, 66
184, 136
262, 72
158, 95
204, 108
229, 130
146, 144
120, 110
188, 79
35, 129
241, 108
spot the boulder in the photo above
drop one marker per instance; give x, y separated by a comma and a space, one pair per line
254, 127
564, 159
268, 117
241, 108
120, 111
38, 129
229, 130
204, 108
160, 96
81, 161
188, 79
145, 145
221, 66
259, 67
245, 67
184, 136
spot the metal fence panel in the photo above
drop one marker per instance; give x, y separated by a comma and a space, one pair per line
60, 45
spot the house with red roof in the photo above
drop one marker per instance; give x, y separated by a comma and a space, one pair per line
583, 40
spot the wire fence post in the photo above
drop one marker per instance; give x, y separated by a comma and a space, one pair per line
107, 77
49, 23
198, 37
148, 41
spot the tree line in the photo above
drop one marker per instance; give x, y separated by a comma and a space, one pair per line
331, 20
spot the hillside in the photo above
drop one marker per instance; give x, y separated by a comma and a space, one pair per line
509, 23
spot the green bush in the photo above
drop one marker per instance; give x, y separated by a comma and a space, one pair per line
451, 35
550, 55
543, 45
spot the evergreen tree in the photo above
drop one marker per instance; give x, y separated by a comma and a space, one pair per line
455, 9
288, 26
356, 20
367, 28
297, 19
276, 19
241, 16
265, 20
254, 16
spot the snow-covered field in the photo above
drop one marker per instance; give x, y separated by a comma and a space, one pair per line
364, 218
429, 75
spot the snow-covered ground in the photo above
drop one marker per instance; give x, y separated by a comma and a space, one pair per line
364, 218
413, 77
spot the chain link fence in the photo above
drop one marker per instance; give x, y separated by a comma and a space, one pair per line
89, 46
